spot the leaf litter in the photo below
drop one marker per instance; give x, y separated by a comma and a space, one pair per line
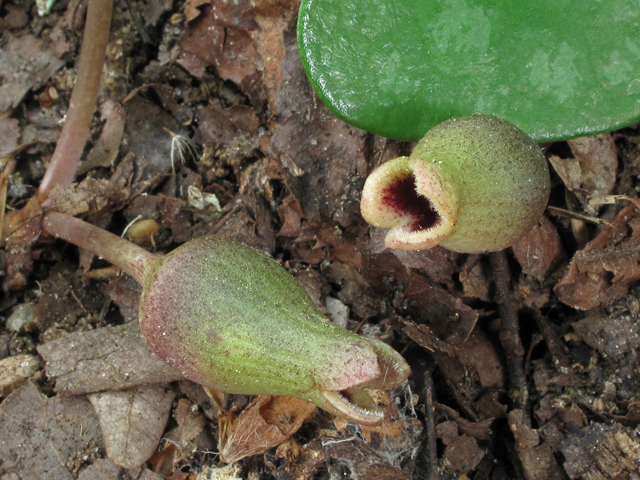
287, 177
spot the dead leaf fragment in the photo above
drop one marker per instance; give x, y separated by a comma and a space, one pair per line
132, 422
16, 371
27, 63
264, 424
536, 457
616, 250
420, 296
146, 135
614, 337
41, 435
109, 358
106, 149
9, 136
312, 146
539, 250
190, 424
217, 125
90, 195
592, 171
475, 279
298, 462
463, 454
228, 472
601, 451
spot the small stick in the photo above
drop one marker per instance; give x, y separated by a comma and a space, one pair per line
510, 335
561, 212
427, 460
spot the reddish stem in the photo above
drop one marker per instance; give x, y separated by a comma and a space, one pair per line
131, 258
75, 131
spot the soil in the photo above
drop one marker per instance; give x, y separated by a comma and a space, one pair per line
206, 124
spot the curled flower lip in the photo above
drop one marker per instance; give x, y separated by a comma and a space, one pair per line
417, 204
258, 332
472, 184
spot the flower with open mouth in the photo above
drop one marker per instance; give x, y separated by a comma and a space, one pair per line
473, 184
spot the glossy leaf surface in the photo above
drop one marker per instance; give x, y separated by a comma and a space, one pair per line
555, 68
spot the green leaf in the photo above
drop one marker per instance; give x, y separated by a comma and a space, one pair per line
555, 68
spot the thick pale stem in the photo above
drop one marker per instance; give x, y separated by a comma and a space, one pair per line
75, 131
131, 258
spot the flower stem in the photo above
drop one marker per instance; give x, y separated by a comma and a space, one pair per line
131, 258
66, 157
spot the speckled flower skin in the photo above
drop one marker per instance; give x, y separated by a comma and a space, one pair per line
231, 318
485, 178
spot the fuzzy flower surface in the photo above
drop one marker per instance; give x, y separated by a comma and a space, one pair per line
472, 184
229, 317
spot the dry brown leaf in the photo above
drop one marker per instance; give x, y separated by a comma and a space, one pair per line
463, 454
603, 270
274, 19
201, 42
107, 147
536, 457
109, 358
165, 461
9, 136
355, 291
598, 160
419, 296
264, 424
217, 125
90, 195
124, 291
27, 64
312, 146
470, 366
438, 263
290, 215
20, 230
41, 436
601, 451
16, 371
219, 37
103, 469
614, 337
475, 279
132, 422
592, 171
153, 11
190, 424
539, 250
192, 9
146, 135
296, 461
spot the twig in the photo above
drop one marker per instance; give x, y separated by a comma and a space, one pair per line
510, 335
426, 467
561, 212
